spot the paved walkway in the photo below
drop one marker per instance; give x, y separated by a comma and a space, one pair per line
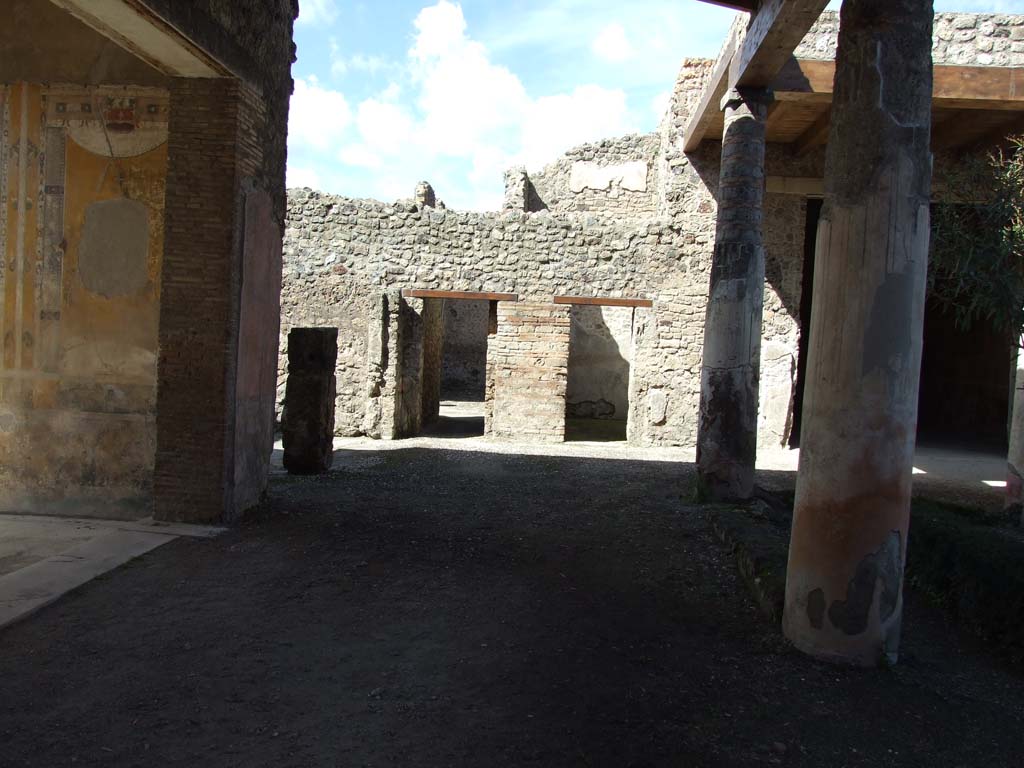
43, 558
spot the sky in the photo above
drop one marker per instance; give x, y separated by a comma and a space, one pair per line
391, 92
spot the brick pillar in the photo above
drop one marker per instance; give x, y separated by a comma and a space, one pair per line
308, 419
727, 435
844, 587
211, 404
528, 361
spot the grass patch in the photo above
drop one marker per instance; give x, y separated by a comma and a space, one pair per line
969, 562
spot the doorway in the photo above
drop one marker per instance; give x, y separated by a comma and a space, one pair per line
965, 374
597, 389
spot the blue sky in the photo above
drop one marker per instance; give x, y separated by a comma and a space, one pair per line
394, 91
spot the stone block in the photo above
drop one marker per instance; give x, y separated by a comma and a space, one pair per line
308, 418
313, 350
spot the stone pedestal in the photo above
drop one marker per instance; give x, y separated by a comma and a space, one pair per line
727, 436
844, 587
308, 417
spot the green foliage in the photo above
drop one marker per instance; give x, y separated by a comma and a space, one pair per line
977, 256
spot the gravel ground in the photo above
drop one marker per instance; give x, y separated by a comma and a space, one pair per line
425, 606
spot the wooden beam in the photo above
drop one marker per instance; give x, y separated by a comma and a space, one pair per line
738, 5
710, 101
815, 134
422, 293
773, 33
954, 87
602, 301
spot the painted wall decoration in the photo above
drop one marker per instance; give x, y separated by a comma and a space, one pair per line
82, 175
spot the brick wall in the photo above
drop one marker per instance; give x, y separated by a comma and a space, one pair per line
196, 363
215, 384
528, 363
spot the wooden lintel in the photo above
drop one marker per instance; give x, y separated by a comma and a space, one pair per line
422, 293
954, 86
710, 101
603, 301
814, 135
773, 33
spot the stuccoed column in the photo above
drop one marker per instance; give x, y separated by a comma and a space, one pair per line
727, 436
844, 591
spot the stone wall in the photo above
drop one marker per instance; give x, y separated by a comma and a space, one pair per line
341, 253
613, 177
967, 39
528, 360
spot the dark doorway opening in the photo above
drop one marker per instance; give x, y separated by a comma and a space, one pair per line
806, 298
965, 374
462, 368
965, 383
597, 390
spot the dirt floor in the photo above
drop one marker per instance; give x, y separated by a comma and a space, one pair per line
427, 606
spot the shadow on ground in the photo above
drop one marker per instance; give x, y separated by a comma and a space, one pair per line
431, 607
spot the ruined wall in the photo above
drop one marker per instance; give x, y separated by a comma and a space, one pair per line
612, 177
600, 349
969, 39
527, 360
340, 252
81, 241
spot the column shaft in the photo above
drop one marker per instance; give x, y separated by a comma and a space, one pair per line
727, 435
845, 577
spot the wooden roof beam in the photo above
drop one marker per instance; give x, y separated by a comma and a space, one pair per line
814, 135
710, 101
955, 87
773, 34
775, 29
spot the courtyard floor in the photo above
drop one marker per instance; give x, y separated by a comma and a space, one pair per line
444, 602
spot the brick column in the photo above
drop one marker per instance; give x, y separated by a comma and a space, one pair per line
727, 435
528, 361
844, 587
211, 404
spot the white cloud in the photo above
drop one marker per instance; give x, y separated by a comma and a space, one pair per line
384, 126
318, 116
659, 104
317, 12
557, 123
302, 177
360, 62
439, 28
611, 44
360, 156
459, 121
